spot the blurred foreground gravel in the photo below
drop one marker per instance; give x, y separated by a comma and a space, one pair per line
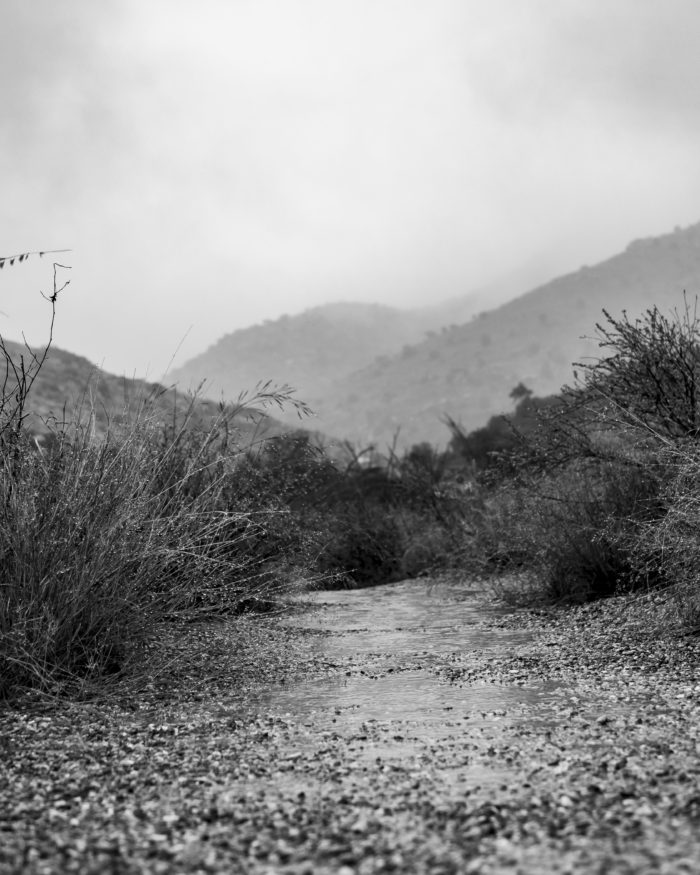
212, 768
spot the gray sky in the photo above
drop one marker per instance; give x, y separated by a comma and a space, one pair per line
213, 163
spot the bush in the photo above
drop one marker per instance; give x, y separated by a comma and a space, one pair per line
667, 547
488, 447
102, 540
362, 549
650, 383
99, 543
353, 523
591, 524
585, 499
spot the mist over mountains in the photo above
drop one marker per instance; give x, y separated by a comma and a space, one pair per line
370, 372
320, 348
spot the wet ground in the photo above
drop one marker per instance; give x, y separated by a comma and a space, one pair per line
389, 643
536, 742
409, 728
388, 652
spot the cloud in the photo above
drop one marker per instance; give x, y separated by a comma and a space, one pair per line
633, 60
222, 162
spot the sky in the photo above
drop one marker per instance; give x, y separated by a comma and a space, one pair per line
214, 163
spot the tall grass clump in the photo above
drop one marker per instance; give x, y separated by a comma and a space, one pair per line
100, 540
105, 536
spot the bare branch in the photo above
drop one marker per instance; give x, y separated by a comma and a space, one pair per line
24, 256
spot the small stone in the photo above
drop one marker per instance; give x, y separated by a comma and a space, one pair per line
565, 801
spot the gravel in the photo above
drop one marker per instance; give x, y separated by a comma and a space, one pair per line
592, 767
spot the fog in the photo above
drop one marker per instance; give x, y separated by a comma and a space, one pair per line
217, 163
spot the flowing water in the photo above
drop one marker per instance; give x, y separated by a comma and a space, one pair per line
394, 639
387, 695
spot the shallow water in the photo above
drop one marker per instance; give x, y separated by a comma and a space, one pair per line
388, 701
392, 640
384, 699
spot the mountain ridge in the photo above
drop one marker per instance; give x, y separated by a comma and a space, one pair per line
323, 344
469, 370
431, 364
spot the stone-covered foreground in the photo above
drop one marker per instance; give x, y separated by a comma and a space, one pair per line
595, 768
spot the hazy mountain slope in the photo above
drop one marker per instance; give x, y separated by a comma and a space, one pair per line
69, 382
315, 349
368, 369
469, 370
460, 309
306, 351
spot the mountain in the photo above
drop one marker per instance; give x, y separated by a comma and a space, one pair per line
468, 371
318, 349
308, 351
68, 383
368, 370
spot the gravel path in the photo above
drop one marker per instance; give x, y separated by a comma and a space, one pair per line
549, 742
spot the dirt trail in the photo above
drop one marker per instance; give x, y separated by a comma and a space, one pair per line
410, 728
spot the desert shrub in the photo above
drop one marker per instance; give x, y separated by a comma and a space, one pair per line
585, 504
488, 446
650, 382
425, 485
408, 513
667, 546
104, 538
93, 554
291, 467
490, 526
591, 521
355, 519
429, 546
571, 533
286, 481
362, 548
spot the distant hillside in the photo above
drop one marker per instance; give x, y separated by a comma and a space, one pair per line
368, 370
469, 370
318, 349
67, 382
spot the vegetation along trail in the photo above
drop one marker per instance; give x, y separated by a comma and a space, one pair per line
411, 727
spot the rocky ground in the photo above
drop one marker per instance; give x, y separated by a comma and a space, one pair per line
594, 768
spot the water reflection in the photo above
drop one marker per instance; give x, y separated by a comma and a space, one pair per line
387, 705
425, 618
384, 650
417, 697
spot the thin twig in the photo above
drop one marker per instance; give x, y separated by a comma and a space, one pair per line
23, 256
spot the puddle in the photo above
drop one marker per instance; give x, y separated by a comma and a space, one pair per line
425, 618
383, 650
384, 703
415, 696
387, 706
387, 709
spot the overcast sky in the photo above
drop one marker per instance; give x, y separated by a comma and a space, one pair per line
213, 163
